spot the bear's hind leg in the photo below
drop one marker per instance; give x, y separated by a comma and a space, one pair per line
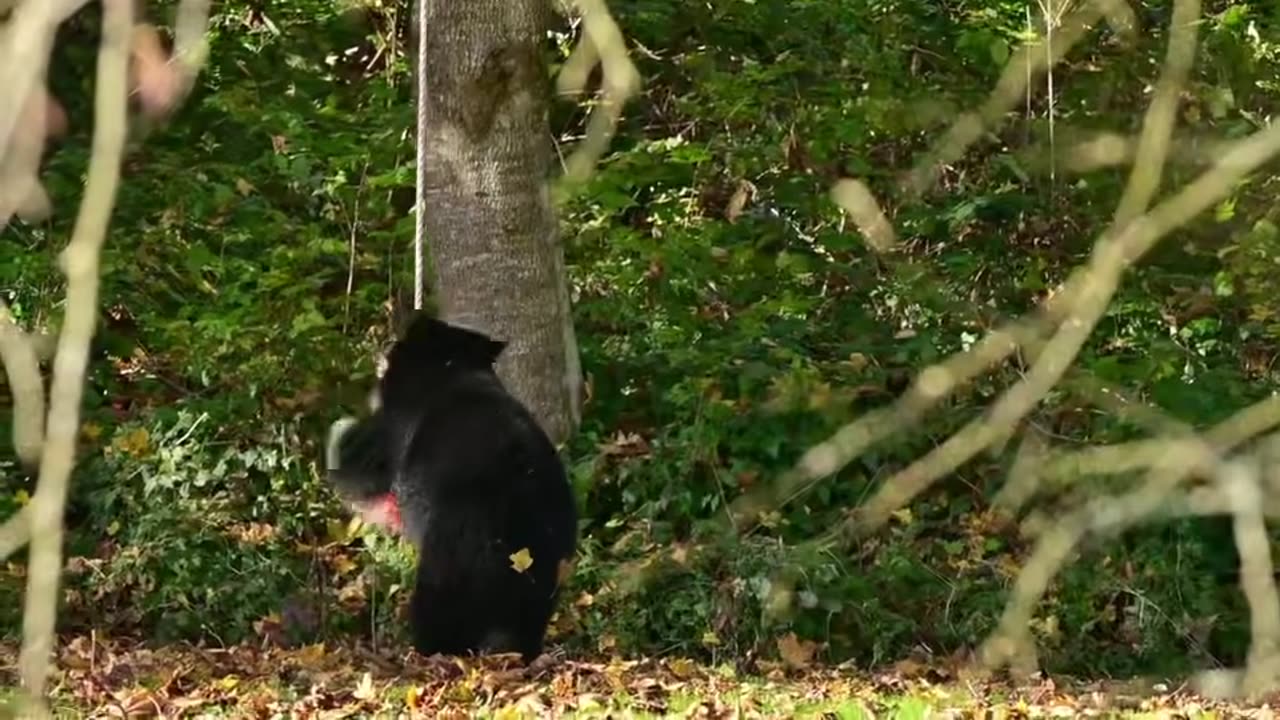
433, 620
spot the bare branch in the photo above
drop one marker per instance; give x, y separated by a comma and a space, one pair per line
14, 533
80, 262
1025, 476
22, 368
602, 43
1086, 151
1026, 65
25, 44
191, 41
1011, 641
1157, 125
1114, 252
1145, 454
931, 386
1240, 483
857, 199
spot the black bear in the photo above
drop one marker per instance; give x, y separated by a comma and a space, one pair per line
460, 468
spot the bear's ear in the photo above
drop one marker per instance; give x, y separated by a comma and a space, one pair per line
474, 347
429, 340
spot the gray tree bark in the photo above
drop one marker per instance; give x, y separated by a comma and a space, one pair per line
498, 263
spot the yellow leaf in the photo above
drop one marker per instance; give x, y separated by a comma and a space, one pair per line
413, 696
770, 519
135, 442
521, 560
796, 652
1048, 626
228, 682
91, 431
903, 516
354, 525
334, 530
508, 712
710, 639
22, 497
244, 187
311, 654
682, 667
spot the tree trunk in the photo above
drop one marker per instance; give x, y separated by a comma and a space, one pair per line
494, 242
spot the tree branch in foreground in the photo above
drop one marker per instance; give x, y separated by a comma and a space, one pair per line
80, 263
1026, 65
41, 522
1075, 310
1123, 243
1183, 459
602, 44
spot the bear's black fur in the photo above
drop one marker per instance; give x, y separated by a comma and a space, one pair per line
475, 480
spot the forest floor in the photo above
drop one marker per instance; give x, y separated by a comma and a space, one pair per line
98, 678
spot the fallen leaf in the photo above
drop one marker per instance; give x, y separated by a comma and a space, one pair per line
364, 688
413, 696
564, 570
683, 668
521, 560
796, 652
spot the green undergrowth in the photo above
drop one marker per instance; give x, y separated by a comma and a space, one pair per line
728, 316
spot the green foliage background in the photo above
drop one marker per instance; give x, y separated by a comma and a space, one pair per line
261, 237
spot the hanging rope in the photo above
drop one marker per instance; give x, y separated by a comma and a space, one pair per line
420, 226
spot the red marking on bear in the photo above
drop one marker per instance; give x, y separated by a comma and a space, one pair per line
382, 510
391, 507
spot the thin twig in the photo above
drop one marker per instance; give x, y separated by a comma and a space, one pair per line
80, 262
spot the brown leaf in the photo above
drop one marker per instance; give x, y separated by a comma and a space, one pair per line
738, 202
625, 445
796, 652
564, 570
